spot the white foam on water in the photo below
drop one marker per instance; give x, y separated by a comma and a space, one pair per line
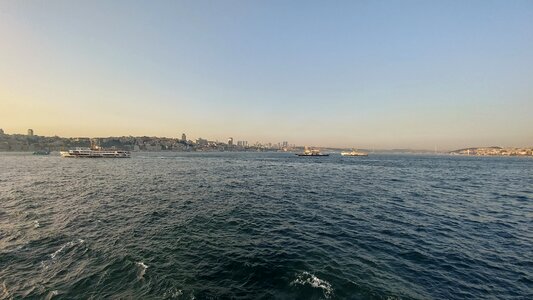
173, 293
306, 278
52, 294
142, 269
36, 224
65, 246
53, 255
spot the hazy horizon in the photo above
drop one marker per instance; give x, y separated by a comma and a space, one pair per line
381, 75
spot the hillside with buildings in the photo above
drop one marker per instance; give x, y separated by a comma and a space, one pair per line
494, 151
32, 142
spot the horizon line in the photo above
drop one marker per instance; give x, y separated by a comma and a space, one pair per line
294, 145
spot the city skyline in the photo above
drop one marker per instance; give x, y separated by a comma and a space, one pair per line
368, 75
240, 143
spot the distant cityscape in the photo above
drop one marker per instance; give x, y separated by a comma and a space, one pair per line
33, 142
494, 151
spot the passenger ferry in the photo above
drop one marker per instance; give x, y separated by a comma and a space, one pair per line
95, 152
311, 152
354, 153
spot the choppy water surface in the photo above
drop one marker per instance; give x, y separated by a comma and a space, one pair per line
266, 226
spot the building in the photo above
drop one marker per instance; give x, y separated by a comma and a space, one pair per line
30, 132
1, 131
183, 137
153, 147
201, 142
285, 144
230, 141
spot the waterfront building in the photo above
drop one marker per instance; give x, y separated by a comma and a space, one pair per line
242, 143
30, 132
1, 131
183, 137
230, 141
201, 142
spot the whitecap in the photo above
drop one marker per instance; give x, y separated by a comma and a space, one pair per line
142, 269
306, 278
36, 224
58, 251
173, 293
65, 246
52, 294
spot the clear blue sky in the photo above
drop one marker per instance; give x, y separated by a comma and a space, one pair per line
367, 74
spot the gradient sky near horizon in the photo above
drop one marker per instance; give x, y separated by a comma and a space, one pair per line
366, 74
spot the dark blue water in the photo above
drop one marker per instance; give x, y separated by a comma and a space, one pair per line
266, 226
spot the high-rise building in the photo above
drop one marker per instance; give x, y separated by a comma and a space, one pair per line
30, 132
230, 141
285, 144
1, 131
183, 137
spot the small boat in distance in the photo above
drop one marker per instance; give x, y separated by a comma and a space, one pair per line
311, 152
95, 152
41, 152
354, 153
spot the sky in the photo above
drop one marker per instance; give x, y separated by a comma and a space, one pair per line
364, 74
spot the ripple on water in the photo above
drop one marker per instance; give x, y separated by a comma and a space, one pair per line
66, 247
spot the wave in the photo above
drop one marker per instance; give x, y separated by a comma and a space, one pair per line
66, 246
52, 294
142, 269
174, 293
306, 278
4, 292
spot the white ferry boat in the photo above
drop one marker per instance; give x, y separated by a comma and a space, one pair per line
95, 153
311, 152
354, 153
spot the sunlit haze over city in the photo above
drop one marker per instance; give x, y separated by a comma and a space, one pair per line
367, 74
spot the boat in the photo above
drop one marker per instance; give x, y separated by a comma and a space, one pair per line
354, 153
311, 152
95, 152
41, 152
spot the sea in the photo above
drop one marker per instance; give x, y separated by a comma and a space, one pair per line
266, 226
